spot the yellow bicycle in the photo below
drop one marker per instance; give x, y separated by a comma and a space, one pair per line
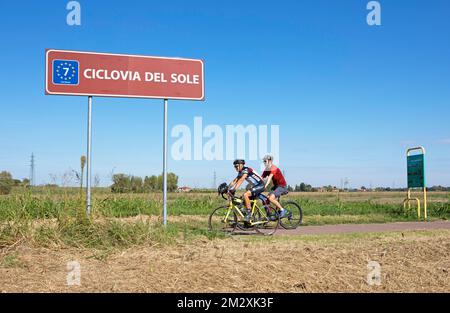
229, 217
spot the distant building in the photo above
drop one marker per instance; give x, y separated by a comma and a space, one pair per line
184, 189
327, 189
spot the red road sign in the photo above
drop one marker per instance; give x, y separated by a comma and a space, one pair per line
80, 73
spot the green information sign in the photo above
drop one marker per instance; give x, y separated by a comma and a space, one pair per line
416, 171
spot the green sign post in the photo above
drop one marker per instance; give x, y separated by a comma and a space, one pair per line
416, 178
416, 171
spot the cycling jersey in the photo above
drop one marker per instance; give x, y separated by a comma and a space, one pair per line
252, 178
278, 178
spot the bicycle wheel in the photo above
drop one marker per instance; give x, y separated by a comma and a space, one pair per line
222, 220
266, 226
294, 216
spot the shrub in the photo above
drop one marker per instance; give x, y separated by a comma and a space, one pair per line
6, 183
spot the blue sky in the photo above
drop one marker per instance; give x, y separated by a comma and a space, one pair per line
349, 98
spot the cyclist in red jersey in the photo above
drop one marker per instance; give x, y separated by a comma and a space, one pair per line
279, 188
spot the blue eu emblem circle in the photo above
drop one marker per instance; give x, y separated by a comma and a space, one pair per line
65, 72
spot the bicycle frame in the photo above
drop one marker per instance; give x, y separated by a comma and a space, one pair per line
254, 208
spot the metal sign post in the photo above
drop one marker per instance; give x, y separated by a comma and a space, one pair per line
165, 164
416, 179
89, 150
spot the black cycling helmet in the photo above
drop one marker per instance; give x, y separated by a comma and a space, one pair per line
239, 161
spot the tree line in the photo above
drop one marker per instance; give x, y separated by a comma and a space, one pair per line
301, 188
7, 182
134, 184
304, 187
121, 183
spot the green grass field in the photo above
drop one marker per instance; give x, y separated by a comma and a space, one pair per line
44, 203
56, 216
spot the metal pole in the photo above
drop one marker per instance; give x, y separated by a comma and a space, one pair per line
409, 197
88, 167
165, 164
425, 202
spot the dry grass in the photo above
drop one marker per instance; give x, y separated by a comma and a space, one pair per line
410, 262
34, 258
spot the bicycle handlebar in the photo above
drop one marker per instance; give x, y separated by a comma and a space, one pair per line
229, 194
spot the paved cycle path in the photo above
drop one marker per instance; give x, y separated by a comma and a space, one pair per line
364, 228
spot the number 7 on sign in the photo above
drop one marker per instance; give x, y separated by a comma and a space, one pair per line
67, 70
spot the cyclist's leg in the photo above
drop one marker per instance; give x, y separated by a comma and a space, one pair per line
247, 206
275, 195
264, 199
256, 191
247, 196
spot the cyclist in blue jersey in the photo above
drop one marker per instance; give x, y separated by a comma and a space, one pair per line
255, 181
